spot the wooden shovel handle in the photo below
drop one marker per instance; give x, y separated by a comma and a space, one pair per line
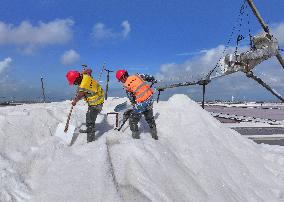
68, 119
69, 116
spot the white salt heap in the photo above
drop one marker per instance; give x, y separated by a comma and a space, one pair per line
195, 158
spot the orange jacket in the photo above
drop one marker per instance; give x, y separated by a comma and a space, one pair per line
140, 89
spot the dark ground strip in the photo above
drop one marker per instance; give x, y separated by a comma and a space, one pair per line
271, 142
274, 114
263, 131
224, 120
259, 130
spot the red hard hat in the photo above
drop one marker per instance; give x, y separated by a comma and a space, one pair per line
120, 73
71, 76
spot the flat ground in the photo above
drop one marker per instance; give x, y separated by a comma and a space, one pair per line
268, 134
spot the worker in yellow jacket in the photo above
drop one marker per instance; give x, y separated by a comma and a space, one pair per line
93, 94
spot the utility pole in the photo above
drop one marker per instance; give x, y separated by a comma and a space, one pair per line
203, 95
203, 83
265, 27
42, 87
108, 72
103, 68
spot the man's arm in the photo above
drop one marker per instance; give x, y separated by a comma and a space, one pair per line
131, 97
78, 97
87, 71
148, 78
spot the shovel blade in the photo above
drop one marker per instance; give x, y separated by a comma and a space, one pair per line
67, 136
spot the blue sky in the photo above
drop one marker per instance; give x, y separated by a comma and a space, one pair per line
50, 37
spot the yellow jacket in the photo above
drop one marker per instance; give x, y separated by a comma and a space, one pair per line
94, 94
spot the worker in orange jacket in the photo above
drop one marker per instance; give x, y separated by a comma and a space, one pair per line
141, 97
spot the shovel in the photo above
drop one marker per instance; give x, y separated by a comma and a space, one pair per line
126, 116
66, 131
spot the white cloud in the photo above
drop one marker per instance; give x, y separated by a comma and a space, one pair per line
272, 72
101, 32
191, 69
29, 36
5, 64
191, 53
278, 32
126, 28
70, 57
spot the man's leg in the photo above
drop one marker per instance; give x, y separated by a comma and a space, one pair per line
133, 123
151, 122
91, 117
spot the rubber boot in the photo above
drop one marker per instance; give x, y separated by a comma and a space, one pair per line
153, 132
135, 135
91, 136
133, 123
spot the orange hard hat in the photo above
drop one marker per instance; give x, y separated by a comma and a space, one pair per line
71, 76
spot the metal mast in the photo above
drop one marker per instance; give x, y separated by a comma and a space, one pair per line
265, 27
42, 87
108, 72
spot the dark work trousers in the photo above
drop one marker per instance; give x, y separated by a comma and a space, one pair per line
91, 117
135, 118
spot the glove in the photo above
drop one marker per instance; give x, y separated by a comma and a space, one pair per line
154, 80
160, 89
127, 114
